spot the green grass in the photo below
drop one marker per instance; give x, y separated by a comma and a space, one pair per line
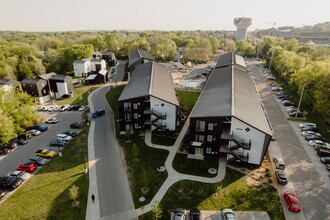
112, 98
187, 100
194, 167
45, 195
80, 96
233, 192
165, 138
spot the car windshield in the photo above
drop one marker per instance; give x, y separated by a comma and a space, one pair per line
295, 204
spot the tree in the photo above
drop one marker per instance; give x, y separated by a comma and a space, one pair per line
156, 210
73, 194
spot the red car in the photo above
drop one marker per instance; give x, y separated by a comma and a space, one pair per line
27, 167
292, 202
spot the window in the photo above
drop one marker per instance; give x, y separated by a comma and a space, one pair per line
209, 138
200, 125
127, 106
128, 117
198, 151
136, 115
135, 106
128, 127
210, 126
208, 150
136, 126
200, 138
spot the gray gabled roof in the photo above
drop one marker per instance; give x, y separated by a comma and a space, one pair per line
46, 76
230, 59
137, 54
230, 92
150, 79
59, 77
32, 81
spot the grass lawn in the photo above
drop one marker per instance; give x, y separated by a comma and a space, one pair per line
45, 195
80, 96
187, 100
233, 192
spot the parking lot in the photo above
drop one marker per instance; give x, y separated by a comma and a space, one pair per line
21, 154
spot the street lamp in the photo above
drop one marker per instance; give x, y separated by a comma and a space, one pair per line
83, 153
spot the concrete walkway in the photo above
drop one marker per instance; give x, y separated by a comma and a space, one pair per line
93, 209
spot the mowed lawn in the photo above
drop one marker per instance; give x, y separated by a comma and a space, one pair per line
45, 195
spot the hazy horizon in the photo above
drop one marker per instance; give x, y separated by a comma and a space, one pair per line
148, 15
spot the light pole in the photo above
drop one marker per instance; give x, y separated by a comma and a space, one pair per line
83, 153
301, 95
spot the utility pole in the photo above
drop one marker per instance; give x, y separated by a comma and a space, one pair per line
271, 60
302, 92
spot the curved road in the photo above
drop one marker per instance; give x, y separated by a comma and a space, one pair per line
108, 179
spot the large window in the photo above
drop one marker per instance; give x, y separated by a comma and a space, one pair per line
198, 151
128, 117
136, 115
200, 125
135, 106
210, 126
208, 150
136, 126
209, 138
199, 138
127, 106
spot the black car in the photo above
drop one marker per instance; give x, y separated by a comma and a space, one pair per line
2, 193
57, 143
22, 141
295, 114
4, 151
11, 145
75, 108
76, 125
195, 214
39, 161
11, 183
281, 177
325, 160
70, 133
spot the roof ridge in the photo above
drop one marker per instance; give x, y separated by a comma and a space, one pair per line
151, 77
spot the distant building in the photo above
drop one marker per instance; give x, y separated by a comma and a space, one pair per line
228, 118
101, 77
82, 68
61, 86
148, 100
108, 56
137, 57
38, 88
97, 65
9, 84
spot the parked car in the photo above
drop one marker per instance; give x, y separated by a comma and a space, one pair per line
287, 103
57, 143
45, 153
21, 141
327, 166
279, 163
98, 113
25, 136
307, 124
228, 214
323, 152
19, 174
180, 214
39, 161
4, 151
292, 201
325, 160
11, 145
281, 177
34, 132
195, 214
326, 146
2, 193
40, 127
270, 77
63, 137
76, 125
82, 108
291, 109
11, 183
314, 142
305, 133
64, 108
314, 137
43, 108
52, 121
75, 107
27, 167
70, 133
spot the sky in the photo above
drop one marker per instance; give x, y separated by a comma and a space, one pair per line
75, 15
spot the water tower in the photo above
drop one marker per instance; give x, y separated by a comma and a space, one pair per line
242, 24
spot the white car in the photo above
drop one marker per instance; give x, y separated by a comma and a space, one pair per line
307, 124
64, 108
34, 132
228, 214
63, 137
305, 133
82, 108
19, 174
51, 120
313, 142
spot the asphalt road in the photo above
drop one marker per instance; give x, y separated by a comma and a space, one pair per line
23, 152
304, 178
113, 188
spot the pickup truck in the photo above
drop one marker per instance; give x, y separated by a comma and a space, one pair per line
45, 153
